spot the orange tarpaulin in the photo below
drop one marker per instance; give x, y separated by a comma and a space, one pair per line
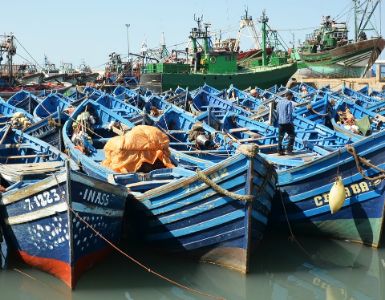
143, 144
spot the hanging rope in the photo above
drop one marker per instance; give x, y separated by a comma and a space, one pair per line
360, 160
292, 236
148, 269
245, 198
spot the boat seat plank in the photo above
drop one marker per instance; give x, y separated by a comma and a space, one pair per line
239, 129
31, 168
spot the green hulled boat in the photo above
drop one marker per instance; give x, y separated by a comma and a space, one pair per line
329, 53
218, 67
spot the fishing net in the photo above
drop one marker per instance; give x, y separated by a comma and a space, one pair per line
144, 148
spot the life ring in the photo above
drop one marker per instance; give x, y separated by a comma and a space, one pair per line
213, 60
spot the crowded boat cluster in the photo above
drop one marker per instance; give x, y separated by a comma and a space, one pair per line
201, 172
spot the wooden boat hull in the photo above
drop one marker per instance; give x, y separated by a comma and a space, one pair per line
189, 217
262, 78
43, 226
49, 130
304, 193
351, 60
24, 100
51, 104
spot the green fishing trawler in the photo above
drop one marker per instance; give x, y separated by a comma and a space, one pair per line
329, 53
218, 67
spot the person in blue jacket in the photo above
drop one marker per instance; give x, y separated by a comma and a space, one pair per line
285, 109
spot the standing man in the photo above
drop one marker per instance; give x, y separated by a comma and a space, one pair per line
285, 108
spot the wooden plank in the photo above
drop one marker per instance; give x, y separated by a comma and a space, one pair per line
5, 134
33, 168
23, 156
248, 140
239, 129
11, 146
267, 146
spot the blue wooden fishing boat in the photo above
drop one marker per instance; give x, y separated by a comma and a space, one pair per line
182, 210
312, 141
123, 109
8, 111
359, 98
302, 197
49, 129
203, 100
379, 95
19, 149
24, 100
195, 217
109, 124
122, 92
335, 114
54, 224
53, 103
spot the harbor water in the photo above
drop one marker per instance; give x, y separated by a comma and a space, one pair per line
282, 268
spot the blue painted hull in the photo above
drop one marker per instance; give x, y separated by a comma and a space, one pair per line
49, 130
24, 100
304, 193
43, 222
188, 216
53, 103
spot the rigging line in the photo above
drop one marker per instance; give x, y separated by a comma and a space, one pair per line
344, 11
380, 11
297, 29
28, 53
17, 54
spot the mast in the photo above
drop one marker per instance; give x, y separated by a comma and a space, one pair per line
9, 48
247, 21
367, 13
355, 19
264, 19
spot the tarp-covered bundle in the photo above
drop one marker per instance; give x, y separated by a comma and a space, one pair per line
142, 145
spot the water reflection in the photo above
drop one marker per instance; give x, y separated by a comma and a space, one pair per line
280, 269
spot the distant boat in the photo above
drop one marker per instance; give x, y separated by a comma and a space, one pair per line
328, 52
35, 89
9, 84
218, 68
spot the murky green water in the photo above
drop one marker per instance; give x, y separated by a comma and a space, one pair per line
280, 269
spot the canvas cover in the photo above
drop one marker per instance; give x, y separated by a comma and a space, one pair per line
143, 144
363, 125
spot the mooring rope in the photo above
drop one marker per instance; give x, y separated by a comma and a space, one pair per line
358, 159
292, 236
202, 176
148, 269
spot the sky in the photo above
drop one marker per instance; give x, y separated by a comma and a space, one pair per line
71, 31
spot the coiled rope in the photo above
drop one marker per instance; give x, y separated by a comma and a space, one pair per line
360, 160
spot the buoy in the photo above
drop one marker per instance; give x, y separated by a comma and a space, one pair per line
337, 195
